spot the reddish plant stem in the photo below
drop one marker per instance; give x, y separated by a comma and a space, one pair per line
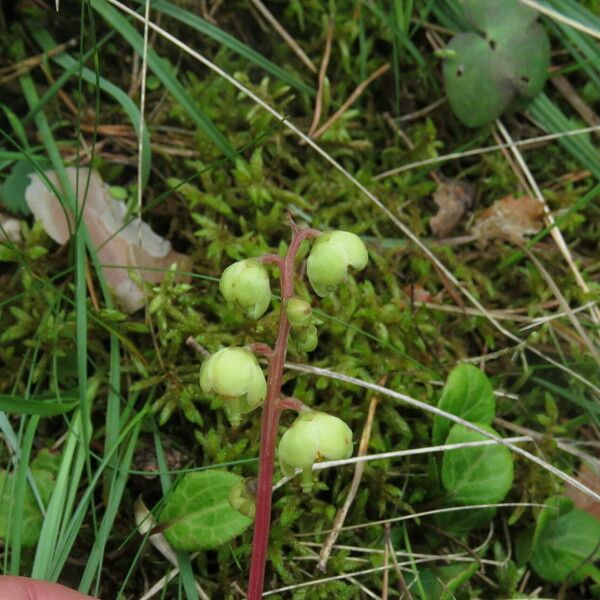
270, 419
293, 404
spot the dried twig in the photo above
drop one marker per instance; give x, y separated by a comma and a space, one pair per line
340, 517
549, 218
287, 38
587, 113
404, 589
322, 73
351, 100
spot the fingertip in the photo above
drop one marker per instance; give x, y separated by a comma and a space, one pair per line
24, 588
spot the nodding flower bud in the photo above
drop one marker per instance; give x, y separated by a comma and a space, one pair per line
329, 259
235, 375
246, 284
242, 497
307, 338
314, 436
298, 311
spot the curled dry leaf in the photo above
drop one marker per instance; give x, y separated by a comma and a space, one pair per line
453, 198
509, 219
591, 478
145, 522
115, 238
10, 229
417, 293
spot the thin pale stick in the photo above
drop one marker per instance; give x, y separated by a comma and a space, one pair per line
535, 322
556, 16
313, 582
442, 413
587, 113
287, 38
401, 582
360, 88
340, 517
427, 513
485, 149
565, 306
386, 574
141, 123
322, 72
398, 454
548, 217
405, 230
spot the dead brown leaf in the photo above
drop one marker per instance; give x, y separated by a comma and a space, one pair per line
591, 479
417, 293
452, 197
509, 219
117, 244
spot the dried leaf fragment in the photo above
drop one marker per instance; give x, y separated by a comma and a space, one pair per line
10, 229
509, 219
453, 198
115, 237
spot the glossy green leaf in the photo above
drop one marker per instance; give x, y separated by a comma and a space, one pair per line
496, 15
32, 516
198, 514
484, 74
468, 393
566, 546
476, 475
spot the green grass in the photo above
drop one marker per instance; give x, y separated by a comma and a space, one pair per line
105, 391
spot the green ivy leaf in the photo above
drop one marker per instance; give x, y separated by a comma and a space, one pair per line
468, 393
566, 545
32, 516
479, 475
197, 515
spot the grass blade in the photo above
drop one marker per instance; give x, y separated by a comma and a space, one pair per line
205, 28
157, 66
36, 406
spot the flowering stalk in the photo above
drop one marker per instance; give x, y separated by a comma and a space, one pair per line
234, 375
271, 413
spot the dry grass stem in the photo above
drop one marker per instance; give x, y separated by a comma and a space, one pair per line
285, 36
528, 142
340, 517
360, 88
322, 74
548, 217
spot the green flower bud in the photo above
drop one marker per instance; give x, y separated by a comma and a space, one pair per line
307, 338
235, 375
298, 311
246, 285
242, 497
329, 259
314, 436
